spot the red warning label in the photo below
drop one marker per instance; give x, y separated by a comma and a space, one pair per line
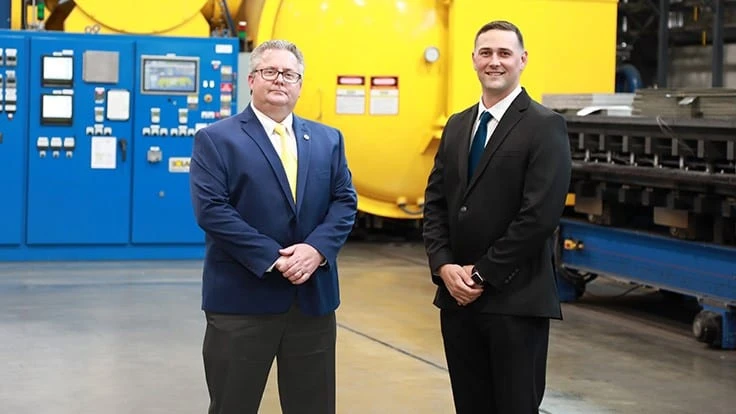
385, 81
350, 80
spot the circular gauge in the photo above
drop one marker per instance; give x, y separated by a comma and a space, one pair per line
431, 54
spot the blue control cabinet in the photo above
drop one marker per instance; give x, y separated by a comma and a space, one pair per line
198, 89
13, 128
79, 168
95, 147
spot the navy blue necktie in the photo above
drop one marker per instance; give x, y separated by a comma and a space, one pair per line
479, 143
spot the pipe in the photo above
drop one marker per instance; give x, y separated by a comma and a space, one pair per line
229, 19
717, 65
23, 15
663, 43
628, 78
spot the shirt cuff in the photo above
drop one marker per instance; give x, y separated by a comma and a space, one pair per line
271, 267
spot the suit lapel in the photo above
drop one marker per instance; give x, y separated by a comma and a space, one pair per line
253, 128
465, 137
512, 116
303, 145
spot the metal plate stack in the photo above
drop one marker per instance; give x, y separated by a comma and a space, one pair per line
609, 103
686, 103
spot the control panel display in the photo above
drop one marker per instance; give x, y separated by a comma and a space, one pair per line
56, 109
169, 75
58, 71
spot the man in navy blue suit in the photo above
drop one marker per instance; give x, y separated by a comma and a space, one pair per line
274, 195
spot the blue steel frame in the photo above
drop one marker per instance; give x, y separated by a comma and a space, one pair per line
701, 270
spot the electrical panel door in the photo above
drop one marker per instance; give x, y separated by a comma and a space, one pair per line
183, 86
79, 170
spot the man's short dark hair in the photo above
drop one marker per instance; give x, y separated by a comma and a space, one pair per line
501, 25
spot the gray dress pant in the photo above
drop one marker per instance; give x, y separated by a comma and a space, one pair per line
239, 351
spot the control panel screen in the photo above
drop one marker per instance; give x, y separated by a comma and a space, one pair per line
56, 109
57, 71
169, 75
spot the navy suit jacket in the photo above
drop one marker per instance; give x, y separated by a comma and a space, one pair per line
242, 201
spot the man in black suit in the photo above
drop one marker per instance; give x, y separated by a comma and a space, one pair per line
493, 201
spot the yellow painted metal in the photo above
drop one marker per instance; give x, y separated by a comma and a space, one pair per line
78, 22
370, 38
571, 47
141, 16
261, 16
160, 17
15, 12
213, 12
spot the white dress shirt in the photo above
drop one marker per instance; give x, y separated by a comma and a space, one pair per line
497, 111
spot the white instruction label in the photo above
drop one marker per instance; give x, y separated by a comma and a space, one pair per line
104, 153
384, 101
350, 101
223, 49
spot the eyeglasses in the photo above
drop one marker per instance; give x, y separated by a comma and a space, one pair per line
270, 74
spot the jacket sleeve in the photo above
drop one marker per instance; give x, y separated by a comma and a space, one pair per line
330, 235
546, 182
436, 228
217, 217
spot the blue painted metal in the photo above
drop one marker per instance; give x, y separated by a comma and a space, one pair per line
61, 208
13, 126
690, 268
69, 202
704, 271
5, 14
162, 211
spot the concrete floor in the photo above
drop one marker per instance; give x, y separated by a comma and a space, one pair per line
114, 338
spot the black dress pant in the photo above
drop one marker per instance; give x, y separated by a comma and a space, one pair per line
497, 363
239, 350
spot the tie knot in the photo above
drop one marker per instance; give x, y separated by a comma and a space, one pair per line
485, 117
280, 130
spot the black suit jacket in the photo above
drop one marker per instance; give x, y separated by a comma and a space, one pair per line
503, 219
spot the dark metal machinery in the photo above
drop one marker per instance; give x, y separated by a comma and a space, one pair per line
655, 204
655, 192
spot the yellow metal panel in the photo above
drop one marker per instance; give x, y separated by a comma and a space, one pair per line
15, 9
571, 47
77, 21
571, 44
388, 154
212, 10
261, 18
141, 16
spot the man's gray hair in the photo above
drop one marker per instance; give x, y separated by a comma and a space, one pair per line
257, 55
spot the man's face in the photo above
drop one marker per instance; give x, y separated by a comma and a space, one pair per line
499, 60
275, 93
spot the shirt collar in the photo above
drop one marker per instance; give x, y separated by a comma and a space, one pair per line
501, 106
269, 124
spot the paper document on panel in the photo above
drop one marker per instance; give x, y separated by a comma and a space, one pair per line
104, 152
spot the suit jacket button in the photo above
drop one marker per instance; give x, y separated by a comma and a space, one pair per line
463, 209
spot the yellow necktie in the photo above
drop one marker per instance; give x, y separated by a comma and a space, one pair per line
287, 158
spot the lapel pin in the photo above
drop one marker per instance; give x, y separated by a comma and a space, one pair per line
306, 137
